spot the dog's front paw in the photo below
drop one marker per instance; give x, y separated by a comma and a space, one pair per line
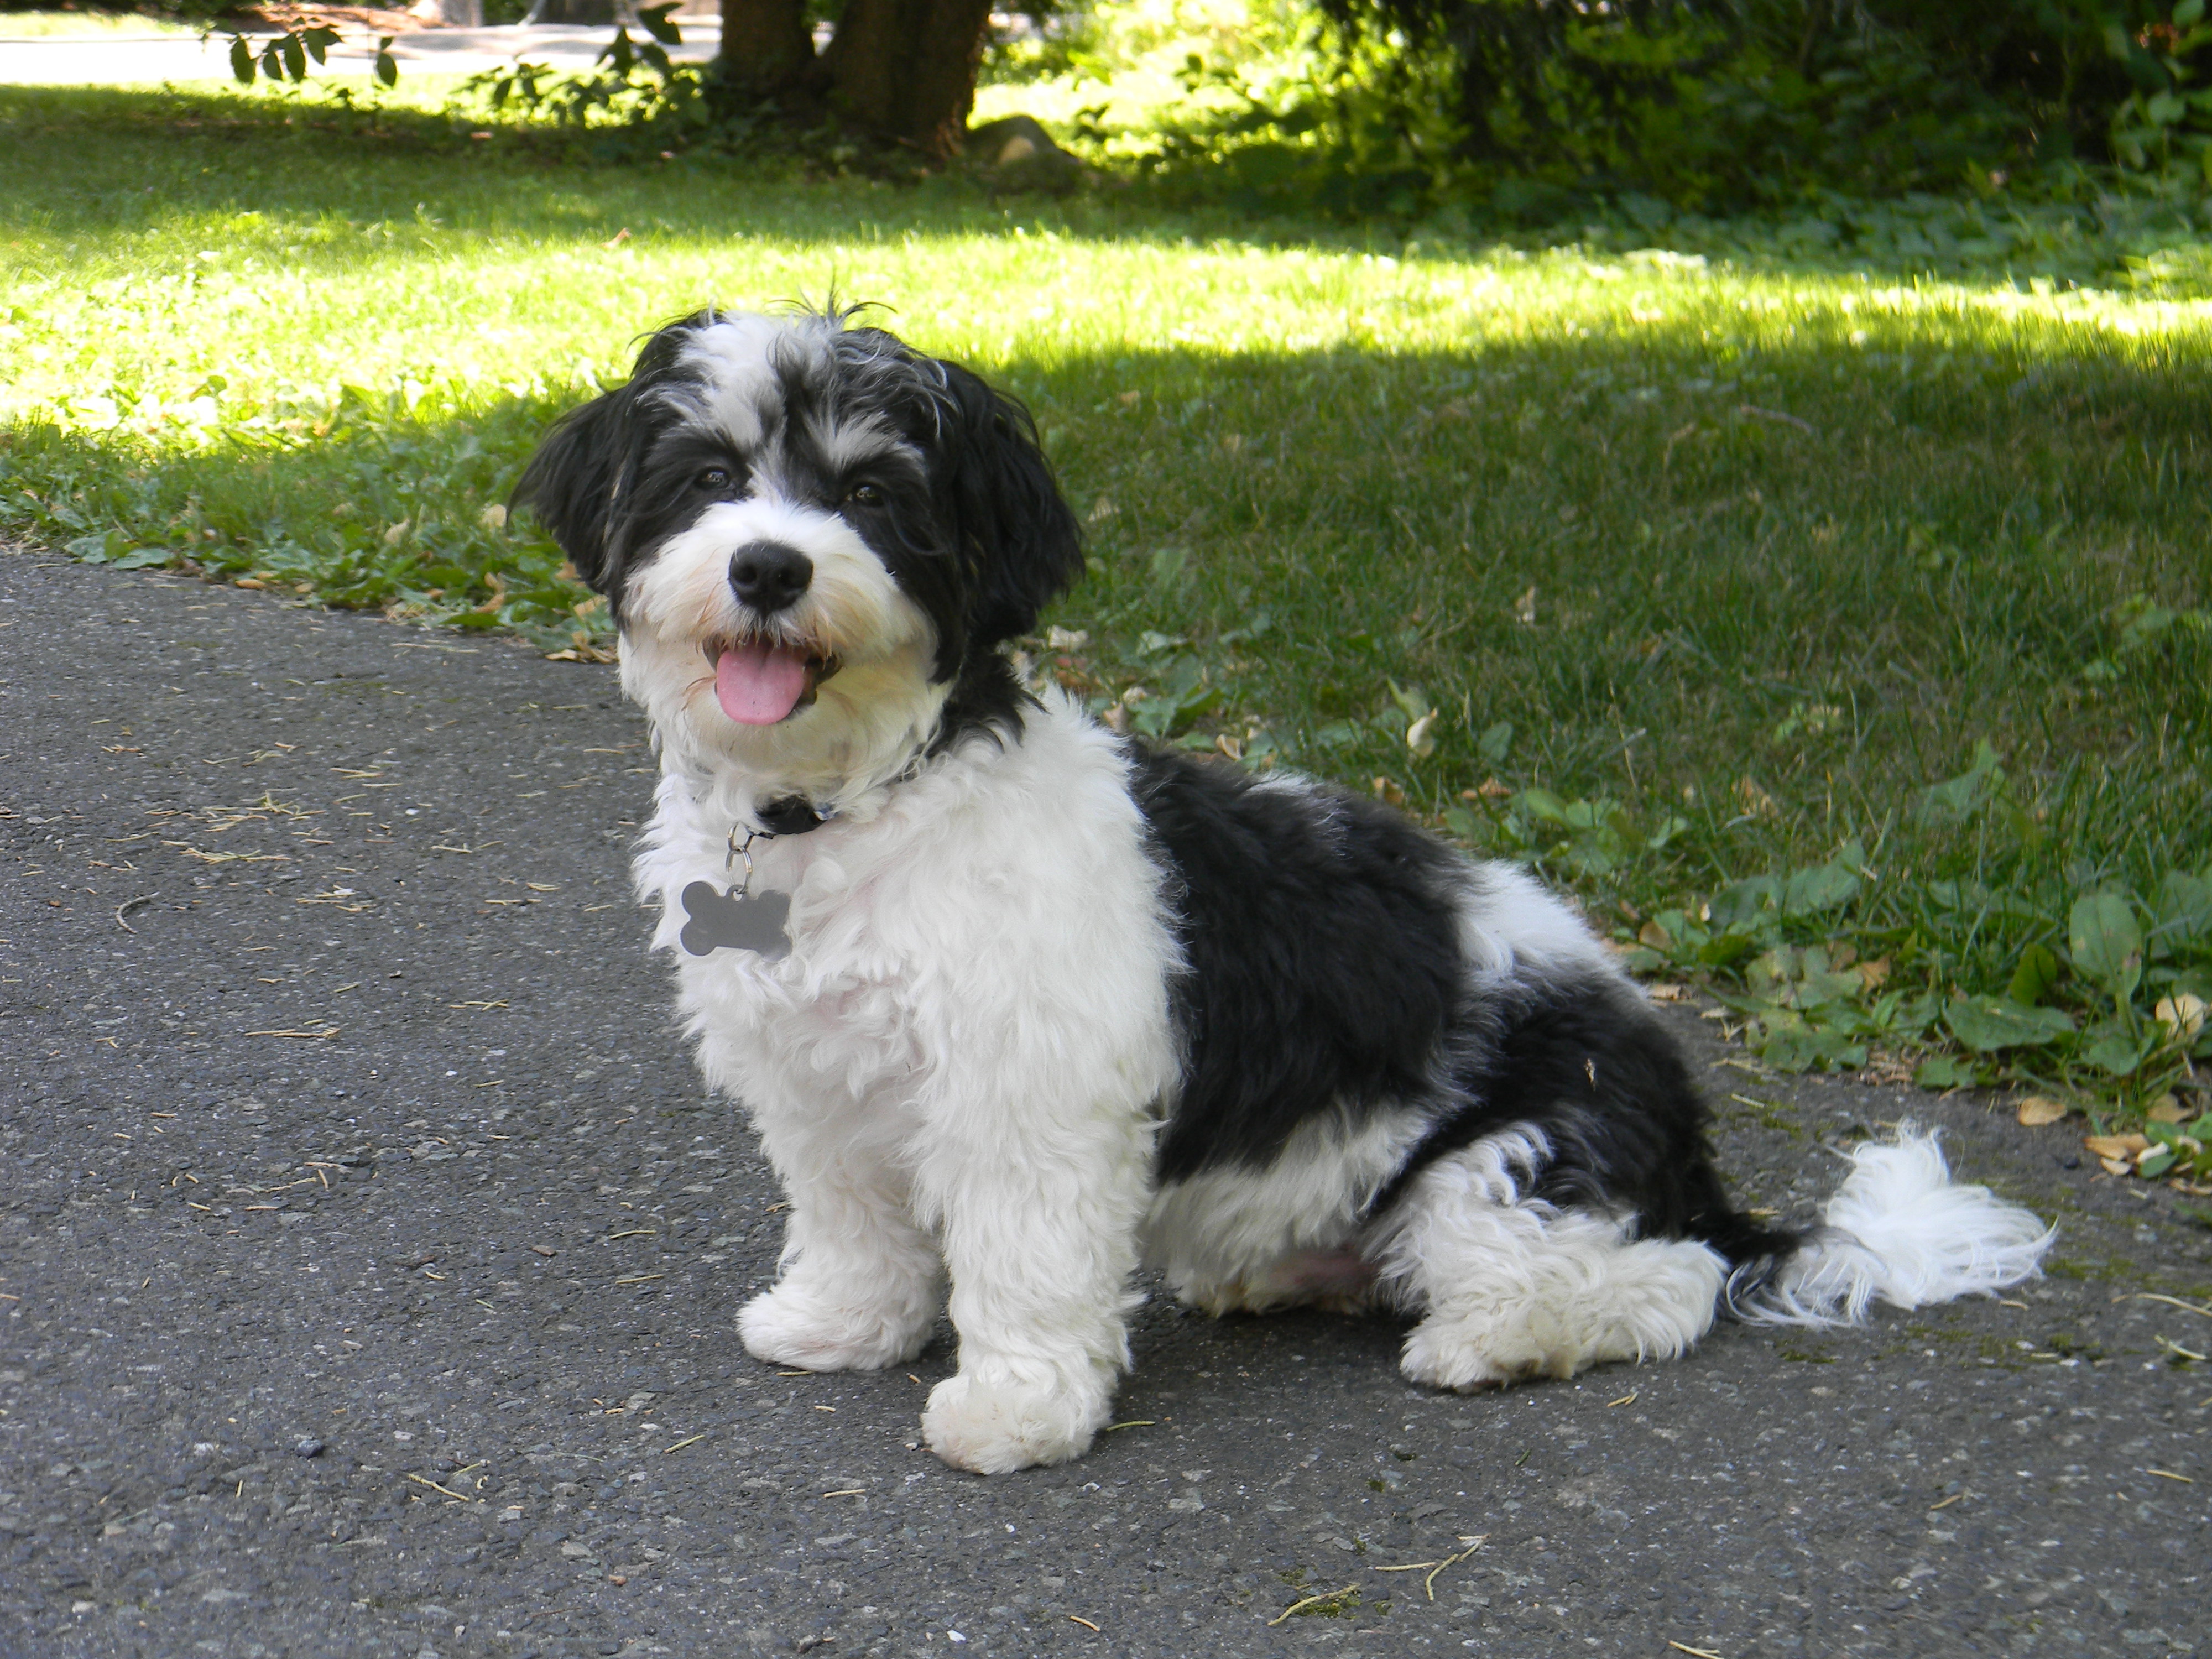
998, 1424
793, 1325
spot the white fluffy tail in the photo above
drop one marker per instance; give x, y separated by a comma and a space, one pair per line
1900, 1230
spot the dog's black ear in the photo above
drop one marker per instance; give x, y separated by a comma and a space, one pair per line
1018, 535
578, 483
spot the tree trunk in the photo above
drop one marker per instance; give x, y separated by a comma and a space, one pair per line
766, 48
905, 70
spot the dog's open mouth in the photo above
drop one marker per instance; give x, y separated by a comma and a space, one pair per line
760, 682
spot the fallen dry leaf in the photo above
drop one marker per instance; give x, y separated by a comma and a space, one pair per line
2182, 1016
2115, 1146
2039, 1110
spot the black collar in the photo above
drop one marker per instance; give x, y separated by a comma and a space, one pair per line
794, 815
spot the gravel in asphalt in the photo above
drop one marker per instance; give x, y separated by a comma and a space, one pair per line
370, 1258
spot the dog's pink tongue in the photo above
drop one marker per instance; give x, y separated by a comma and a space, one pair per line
760, 684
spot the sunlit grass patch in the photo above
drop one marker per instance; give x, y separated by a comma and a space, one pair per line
90, 25
1837, 636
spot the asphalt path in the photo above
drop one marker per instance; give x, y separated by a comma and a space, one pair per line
371, 1258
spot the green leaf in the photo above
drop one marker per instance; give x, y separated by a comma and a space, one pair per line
241, 60
1824, 887
2105, 943
1495, 741
387, 66
2153, 1165
140, 558
2182, 914
1987, 1025
1541, 803
659, 24
1944, 1073
1800, 1049
1956, 799
1410, 698
1741, 903
1817, 989
1727, 948
2036, 973
2119, 1054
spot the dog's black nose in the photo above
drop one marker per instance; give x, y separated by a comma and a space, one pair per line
768, 575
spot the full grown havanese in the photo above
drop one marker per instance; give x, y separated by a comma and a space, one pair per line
1020, 1004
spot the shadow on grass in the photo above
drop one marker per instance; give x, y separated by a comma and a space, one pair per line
1776, 604
1738, 591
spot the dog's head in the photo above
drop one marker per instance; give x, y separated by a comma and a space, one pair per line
812, 538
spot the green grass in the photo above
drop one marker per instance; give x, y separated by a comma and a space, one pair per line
91, 26
1701, 586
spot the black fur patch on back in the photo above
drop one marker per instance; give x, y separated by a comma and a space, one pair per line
1322, 962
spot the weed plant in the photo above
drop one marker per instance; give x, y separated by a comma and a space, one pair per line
1842, 639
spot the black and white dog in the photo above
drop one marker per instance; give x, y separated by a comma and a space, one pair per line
1016, 1000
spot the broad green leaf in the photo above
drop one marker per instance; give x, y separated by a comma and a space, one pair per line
2117, 1054
1987, 1025
2106, 945
2036, 973
241, 60
2183, 912
1823, 887
1790, 1051
1800, 1049
1743, 902
1495, 741
1817, 989
1541, 803
1720, 951
2151, 1165
1956, 799
1944, 1073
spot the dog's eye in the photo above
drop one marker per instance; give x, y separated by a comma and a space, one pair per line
865, 495
713, 477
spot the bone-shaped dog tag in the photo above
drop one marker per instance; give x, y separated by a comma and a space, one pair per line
741, 921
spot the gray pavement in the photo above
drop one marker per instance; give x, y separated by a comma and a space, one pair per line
126, 60
370, 1259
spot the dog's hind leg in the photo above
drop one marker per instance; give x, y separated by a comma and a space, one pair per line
1513, 1287
860, 1283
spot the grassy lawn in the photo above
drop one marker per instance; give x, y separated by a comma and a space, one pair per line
91, 26
1841, 635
